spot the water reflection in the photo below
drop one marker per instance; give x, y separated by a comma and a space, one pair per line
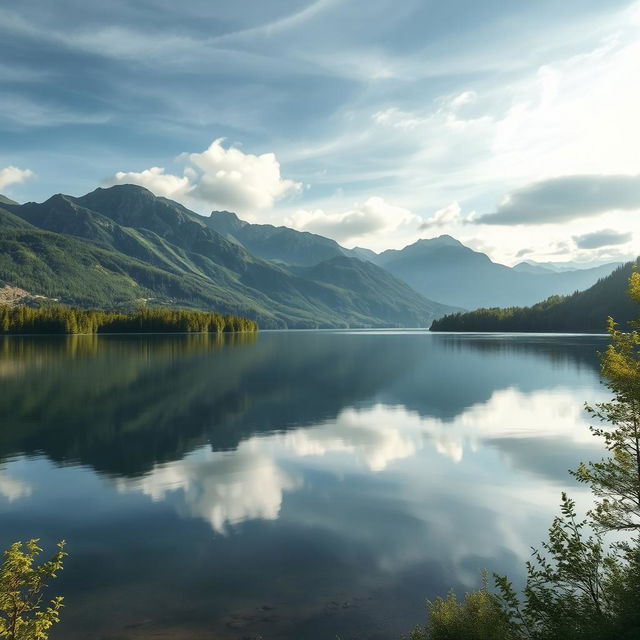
198, 478
541, 432
223, 488
13, 488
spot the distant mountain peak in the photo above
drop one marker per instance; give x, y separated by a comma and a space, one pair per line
226, 220
439, 241
226, 214
61, 199
125, 188
447, 239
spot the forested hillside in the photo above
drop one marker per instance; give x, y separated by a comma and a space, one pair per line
121, 247
583, 311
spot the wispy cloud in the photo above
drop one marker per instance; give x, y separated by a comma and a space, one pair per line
409, 106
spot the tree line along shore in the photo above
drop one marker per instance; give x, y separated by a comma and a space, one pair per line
68, 320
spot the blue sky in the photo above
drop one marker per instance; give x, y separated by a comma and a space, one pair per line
375, 123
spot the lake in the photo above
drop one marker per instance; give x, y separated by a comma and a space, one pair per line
286, 484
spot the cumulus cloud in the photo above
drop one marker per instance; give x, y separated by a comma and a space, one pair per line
156, 180
222, 178
604, 238
237, 179
13, 175
566, 198
443, 217
375, 216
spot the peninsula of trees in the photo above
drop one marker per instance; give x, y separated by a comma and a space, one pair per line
61, 319
582, 312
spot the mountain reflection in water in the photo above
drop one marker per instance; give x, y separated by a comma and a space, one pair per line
286, 484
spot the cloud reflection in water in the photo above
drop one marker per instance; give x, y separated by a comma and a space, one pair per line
228, 488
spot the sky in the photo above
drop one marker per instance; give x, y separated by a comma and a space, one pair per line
512, 126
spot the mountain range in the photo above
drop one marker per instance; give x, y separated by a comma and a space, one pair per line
123, 246
441, 268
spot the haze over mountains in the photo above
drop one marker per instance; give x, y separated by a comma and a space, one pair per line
123, 246
441, 269
433, 265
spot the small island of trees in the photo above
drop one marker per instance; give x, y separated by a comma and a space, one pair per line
68, 320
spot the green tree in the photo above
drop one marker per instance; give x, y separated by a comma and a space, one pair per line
22, 613
615, 480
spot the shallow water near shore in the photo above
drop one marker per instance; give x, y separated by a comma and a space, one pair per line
286, 484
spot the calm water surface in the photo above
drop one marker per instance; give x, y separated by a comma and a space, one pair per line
285, 485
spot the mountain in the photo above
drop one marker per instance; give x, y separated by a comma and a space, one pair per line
532, 267
361, 253
583, 311
282, 244
441, 269
559, 267
366, 284
444, 269
5, 200
123, 246
10, 221
275, 243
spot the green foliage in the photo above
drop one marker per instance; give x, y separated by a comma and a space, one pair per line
22, 613
583, 311
480, 616
60, 319
577, 587
615, 480
571, 585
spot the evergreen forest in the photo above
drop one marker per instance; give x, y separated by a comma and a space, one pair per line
68, 320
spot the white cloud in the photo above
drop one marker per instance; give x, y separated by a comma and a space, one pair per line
156, 180
373, 217
445, 216
221, 178
232, 178
13, 175
463, 98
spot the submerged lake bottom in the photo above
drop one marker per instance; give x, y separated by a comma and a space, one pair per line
286, 484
